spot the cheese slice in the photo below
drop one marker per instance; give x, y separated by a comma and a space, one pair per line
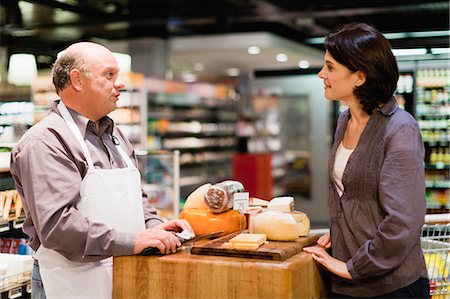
281, 204
254, 201
249, 239
246, 246
245, 242
277, 226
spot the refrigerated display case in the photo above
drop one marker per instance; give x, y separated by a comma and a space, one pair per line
160, 175
432, 111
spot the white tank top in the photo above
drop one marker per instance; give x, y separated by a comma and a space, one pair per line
342, 155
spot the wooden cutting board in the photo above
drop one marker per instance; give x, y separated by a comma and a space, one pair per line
273, 250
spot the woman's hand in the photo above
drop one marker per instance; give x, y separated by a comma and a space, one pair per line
335, 266
324, 241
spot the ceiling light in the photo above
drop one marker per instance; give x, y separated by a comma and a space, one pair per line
281, 57
429, 33
303, 64
440, 50
253, 50
198, 66
22, 69
404, 52
233, 72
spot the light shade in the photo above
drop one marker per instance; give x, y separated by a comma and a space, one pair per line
22, 69
124, 62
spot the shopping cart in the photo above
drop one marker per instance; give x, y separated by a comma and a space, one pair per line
435, 243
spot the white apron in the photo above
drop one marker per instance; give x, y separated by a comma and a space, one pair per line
109, 196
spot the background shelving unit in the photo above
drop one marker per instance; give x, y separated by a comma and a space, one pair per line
198, 120
433, 114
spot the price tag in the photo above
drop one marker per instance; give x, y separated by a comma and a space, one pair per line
240, 201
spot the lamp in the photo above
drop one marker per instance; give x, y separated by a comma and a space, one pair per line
124, 62
22, 69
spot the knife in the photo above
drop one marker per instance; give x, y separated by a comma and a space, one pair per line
155, 250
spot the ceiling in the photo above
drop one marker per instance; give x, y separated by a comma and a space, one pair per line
193, 27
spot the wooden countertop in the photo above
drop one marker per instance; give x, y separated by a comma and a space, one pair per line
185, 275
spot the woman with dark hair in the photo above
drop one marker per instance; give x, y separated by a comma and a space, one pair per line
377, 187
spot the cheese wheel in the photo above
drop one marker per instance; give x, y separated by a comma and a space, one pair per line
205, 221
277, 226
196, 200
303, 223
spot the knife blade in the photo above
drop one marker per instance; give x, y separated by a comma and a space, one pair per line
201, 237
155, 251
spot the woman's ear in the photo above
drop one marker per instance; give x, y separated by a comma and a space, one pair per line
75, 79
360, 78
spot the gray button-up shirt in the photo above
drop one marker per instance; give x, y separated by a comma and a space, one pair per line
376, 224
48, 165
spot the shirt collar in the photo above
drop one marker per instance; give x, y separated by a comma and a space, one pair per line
84, 124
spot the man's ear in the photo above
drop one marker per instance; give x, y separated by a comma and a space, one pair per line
360, 78
75, 79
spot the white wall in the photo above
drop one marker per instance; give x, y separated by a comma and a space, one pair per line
321, 136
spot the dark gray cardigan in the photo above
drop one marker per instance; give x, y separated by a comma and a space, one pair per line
376, 224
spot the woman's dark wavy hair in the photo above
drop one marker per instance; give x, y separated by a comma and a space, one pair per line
361, 47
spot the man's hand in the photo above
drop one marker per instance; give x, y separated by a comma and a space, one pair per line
333, 265
161, 236
176, 225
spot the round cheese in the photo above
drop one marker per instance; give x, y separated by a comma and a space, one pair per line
303, 223
205, 221
277, 226
196, 200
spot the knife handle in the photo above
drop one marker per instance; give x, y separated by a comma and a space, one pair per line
151, 251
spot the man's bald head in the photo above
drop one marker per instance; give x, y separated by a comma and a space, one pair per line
76, 56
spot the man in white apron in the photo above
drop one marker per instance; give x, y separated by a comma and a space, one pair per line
81, 191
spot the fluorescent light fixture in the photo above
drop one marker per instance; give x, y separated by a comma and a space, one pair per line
405, 52
440, 50
393, 35
303, 64
430, 33
281, 57
233, 72
22, 69
253, 50
124, 62
315, 40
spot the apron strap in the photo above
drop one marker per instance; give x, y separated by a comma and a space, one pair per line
73, 127
125, 157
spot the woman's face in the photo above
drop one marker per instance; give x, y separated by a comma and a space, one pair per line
339, 81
